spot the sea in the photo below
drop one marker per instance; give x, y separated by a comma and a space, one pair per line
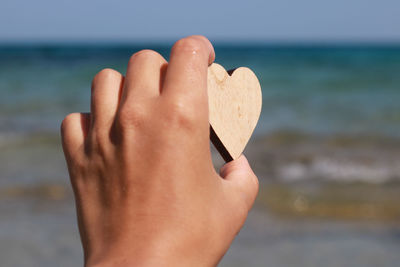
326, 151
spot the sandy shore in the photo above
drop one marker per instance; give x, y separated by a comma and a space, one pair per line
39, 229
307, 213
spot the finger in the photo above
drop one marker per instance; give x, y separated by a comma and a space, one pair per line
106, 87
242, 178
144, 75
74, 130
186, 75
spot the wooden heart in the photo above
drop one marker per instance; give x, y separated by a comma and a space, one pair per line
234, 101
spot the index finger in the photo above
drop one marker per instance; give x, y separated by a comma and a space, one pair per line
186, 75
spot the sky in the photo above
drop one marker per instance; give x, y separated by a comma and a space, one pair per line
219, 20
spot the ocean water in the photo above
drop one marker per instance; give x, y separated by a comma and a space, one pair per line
314, 91
325, 89
326, 150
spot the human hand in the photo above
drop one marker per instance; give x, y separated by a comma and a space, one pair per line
140, 165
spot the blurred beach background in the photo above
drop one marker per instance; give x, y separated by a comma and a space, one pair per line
326, 149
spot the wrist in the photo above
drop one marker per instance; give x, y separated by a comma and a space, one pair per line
144, 257
149, 257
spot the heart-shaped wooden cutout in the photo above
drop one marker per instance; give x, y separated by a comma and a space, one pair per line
234, 108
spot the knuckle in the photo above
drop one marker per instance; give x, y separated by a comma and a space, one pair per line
105, 74
188, 44
181, 116
133, 116
65, 124
145, 54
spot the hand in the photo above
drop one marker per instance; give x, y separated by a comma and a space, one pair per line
140, 165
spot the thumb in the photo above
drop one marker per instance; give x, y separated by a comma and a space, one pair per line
242, 178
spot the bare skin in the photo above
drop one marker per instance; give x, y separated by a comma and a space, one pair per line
140, 165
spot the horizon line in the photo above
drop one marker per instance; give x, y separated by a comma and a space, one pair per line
219, 41
226, 42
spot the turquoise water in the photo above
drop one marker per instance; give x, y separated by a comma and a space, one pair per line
337, 89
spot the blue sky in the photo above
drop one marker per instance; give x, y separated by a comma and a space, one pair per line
246, 20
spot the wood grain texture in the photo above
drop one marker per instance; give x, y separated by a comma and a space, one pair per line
234, 108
